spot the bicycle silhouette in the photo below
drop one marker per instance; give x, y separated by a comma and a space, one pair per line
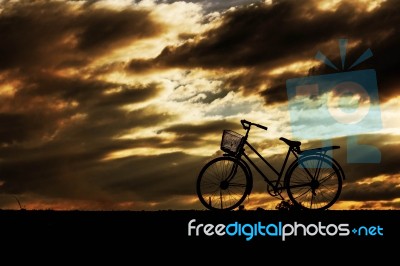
313, 181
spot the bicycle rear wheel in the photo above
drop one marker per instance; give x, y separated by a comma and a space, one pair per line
223, 184
314, 182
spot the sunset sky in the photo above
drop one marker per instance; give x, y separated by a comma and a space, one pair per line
116, 105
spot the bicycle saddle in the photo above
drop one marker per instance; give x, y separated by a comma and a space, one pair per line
291, 143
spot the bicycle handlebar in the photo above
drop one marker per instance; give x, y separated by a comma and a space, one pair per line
246, 124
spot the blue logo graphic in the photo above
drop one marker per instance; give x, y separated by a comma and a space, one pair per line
336, 105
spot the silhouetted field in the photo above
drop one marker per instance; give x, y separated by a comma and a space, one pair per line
175, 222
168, 230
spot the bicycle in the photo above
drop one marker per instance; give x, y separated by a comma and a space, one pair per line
313, 181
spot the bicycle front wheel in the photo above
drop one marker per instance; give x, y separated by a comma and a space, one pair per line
314, 182
223, 184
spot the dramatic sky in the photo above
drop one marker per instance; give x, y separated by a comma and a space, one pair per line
116, 105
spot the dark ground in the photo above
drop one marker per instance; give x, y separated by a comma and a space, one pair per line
134, 232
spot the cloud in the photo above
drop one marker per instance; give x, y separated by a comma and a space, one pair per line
21, 127
202, 129
386, 144
376, 191
78, 176
214, 6
110, 105
262, 37
102, 28
61, 34
71, 100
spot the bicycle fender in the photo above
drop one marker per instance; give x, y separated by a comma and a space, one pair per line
336, 163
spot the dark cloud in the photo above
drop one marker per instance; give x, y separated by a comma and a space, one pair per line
57, 130
17, 127
44, 103
375, 191
203, 129
54, 151
391, 205
255, 35
249, 81
71, 169
73, 157
77, 175
140, 66
213, 6
177, 177
262, 37
190, 135
62, 34
276, 92
45, 169
248, 36
105, 124
355, 173
101, 28
385, 144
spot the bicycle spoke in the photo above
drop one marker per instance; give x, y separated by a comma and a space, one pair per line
333, 190
214, 189
232, 198
322, 195
237, 185
303, 193
299, 185
322, 178
314, 181
220, 195
327, 177
307, 172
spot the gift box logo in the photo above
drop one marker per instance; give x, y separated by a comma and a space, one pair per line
340, 104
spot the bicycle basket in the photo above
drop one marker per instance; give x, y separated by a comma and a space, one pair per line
231, 141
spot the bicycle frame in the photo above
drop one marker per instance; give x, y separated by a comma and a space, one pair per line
224, 183
278, 174
291, 150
